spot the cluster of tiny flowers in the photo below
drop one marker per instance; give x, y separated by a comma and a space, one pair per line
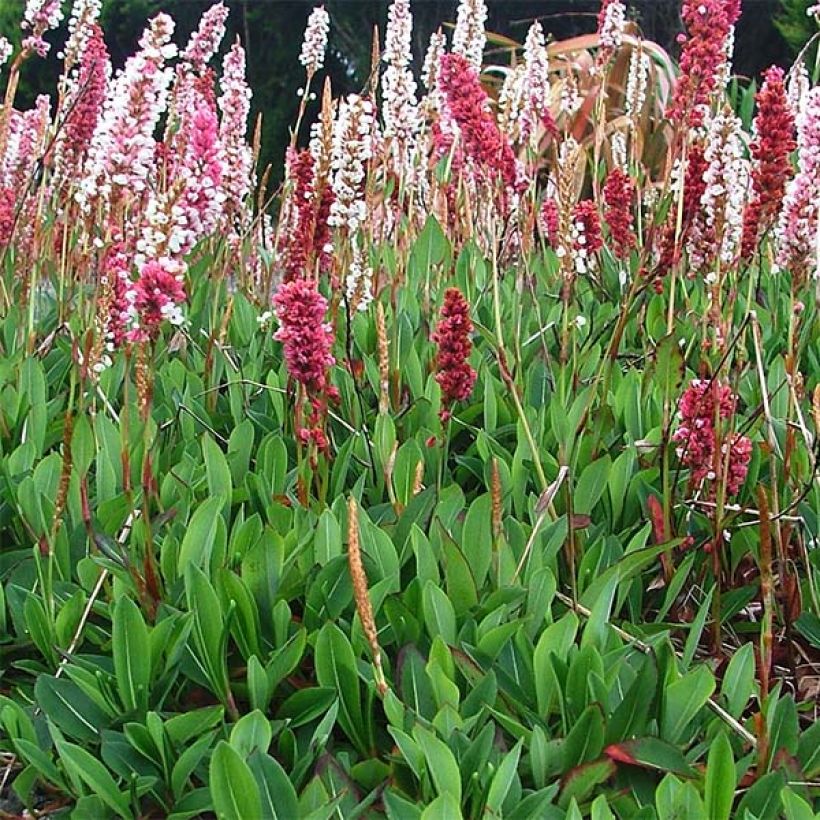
307, 341
358, 283
586, 235
122, 151
636, 82
306, 336
432, 58
703, 53
813, 11
399, 104
536, 105
467, 105
511, 105
693, 182
308, 237
158, 293
353, 144
696, 438
87, 98
469, 37
619, 195
122, 314
205, 40
550, 219
7, 202
452, 335
235, 106
773, 143
27, 135
6, 49
617, 146
611, 24
719, 225
202, 169
299, 240
314, 46
724, 72
81, 25
799, 224
798, 87
571, 99
39, 17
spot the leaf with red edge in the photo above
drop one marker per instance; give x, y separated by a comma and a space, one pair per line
650, 753
580, 781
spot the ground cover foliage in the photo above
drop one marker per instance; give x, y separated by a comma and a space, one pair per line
473, 474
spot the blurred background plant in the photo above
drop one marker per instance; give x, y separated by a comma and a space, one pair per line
794, 24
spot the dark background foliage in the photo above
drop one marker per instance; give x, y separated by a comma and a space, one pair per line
272, 32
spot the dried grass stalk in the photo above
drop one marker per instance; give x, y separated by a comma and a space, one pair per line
496, 501
384, 359
360, 594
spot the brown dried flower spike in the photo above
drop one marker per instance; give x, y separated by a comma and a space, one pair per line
359, 578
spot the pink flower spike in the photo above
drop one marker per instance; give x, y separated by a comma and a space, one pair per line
306, 336
468, 106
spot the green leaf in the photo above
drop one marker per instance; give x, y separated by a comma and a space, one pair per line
783, 728
132, 656
669, 366
87, 768
762, 800
591, 485
630, 716
628, 567
696, 630
461, 586
556, 640
278, 797
233, 787
808, 625
599, 810
595, 631
739, 680
444, 807
795, 807
503, 780
585, 740
70, 708
441, 763
182, 727
327, 542
477, 538
218, 474
188, 761
678, 801
42, 762
808, 750
208, 629
439, 615
200, 534
336, 669
250, 733
259, 692
683, 700
719, 789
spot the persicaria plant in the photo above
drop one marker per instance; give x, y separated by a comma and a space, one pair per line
450, 451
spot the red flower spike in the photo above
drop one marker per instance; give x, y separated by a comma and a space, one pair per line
455, 375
